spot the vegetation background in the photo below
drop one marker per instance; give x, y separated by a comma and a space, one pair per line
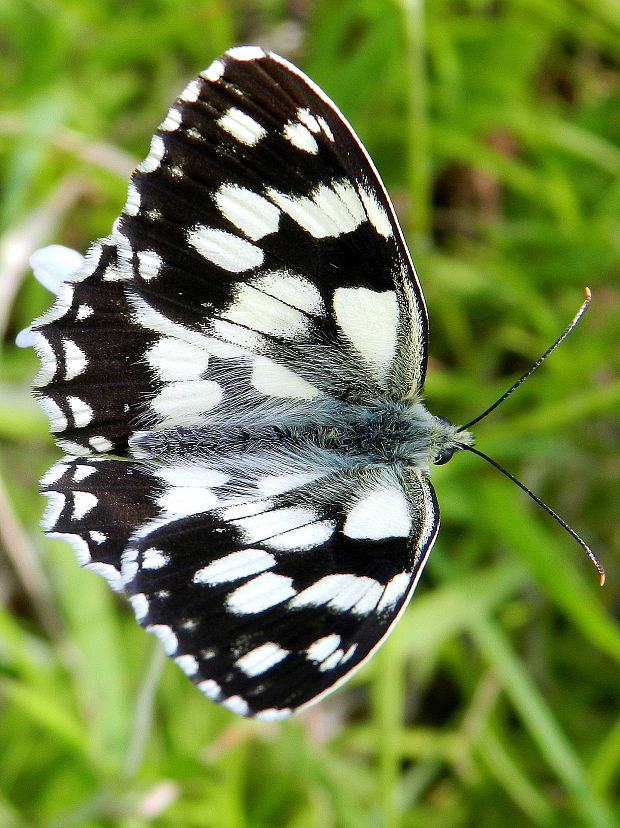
496, 126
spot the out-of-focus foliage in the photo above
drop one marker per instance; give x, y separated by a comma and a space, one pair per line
496, 126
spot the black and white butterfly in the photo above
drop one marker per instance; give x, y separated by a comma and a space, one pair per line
236, 372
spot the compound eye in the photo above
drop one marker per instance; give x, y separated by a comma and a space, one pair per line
443, 456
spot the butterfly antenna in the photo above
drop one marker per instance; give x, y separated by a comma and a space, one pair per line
522, 486
541, 503
538, 362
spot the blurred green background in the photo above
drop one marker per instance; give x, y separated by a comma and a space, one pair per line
496, 127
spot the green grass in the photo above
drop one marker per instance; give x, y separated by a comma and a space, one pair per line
496, 127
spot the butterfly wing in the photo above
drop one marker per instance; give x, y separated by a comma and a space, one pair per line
266, 603
256, 285
258, 204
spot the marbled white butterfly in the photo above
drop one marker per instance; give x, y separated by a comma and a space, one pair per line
236, 372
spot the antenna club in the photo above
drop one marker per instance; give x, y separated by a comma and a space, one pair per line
587, 293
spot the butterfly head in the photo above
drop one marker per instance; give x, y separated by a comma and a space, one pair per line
447, 440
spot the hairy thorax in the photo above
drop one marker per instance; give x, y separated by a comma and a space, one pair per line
391, 432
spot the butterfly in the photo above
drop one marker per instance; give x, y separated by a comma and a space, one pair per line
236, 376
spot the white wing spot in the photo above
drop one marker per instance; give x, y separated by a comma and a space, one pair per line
307, 119
214, 72
140, 604
273, 714
191, 92
234, 566
153, 558
132, 205
261, 593
58, 421
347, 195
343, 593
179, 402
249, 212
369, 320
82, 412
83, 503
242, 510
291, 288
149, 264
275, 484
70, 447
172, 359
191, 475
267, 524
82, 472
225, 250
108, 572
246, 53
166, 636
394, 590
236, 705
303, 538
46, 354
276, 380
191, 624
243, 128
153, 159
53, 510
188, 664
331, 661
83, 312
320, 649
172, 121
263, 313
236, 336
210, 688
326, 129
261, 659
300, 137
97, 537
381, 513
75, 359
54, 474
349, 653
329, 211
100, 443
376, 213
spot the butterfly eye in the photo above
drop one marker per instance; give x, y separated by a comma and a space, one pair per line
443, 456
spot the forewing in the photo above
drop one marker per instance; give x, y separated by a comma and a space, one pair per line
257, 272
258, 220
266, 603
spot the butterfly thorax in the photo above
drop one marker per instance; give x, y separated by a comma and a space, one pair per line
390, 432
